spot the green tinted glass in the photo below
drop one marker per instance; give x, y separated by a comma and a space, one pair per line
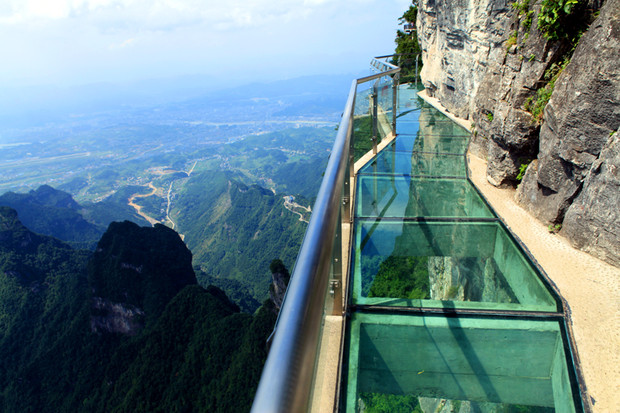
494, 365
400, 196
439, 264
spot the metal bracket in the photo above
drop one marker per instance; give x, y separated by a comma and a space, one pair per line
333, 284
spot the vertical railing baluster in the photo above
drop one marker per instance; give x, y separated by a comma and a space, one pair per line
374, 117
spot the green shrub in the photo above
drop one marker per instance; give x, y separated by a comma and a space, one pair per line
555, 17
522, 170
512, 40
523, 9
536, 104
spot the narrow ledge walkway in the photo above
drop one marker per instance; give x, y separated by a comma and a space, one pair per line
590, 286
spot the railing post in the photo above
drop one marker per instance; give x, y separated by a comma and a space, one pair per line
374, 117
347, 213
335, 283
416, 69
395, 82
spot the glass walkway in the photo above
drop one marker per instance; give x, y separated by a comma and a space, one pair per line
447, 313
409, 294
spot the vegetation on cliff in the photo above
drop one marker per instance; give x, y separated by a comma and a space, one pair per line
561, 23
407, 46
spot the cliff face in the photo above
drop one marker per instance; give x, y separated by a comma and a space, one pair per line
486, 60
459, 40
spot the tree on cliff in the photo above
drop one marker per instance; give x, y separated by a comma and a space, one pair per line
407, 45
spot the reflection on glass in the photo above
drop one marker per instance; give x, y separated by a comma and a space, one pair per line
431, 143
417, 164
429, 264
362, 136
404, 196
408, 98
464, 364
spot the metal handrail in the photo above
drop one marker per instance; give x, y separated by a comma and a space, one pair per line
287, 376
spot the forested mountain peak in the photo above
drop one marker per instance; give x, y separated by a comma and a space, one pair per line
141, 268
124, 328
27, 256
52, 212
8, 219
46, 195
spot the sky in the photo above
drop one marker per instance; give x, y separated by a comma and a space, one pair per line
75, 42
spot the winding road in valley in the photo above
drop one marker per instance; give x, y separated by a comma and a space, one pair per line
291, 205
138, 208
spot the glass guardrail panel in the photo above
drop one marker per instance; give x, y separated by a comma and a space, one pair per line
330, 332
404, 196
427, 363
362, 120
362, 136
362, 99
385, 101
389, 161
431, 143
385, 93
445, 265
408, 98
408, 68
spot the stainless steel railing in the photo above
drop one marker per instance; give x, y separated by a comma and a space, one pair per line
287, 377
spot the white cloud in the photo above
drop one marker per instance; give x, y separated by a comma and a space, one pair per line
84, 40
122, 45
167, 14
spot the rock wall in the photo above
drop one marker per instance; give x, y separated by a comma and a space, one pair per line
583, 111
459, 39
483, 62
593, 218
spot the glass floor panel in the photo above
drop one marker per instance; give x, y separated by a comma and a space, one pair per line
473, 265
403, 126
479, 364
426, 115
430, 143
389, 161
403, 196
